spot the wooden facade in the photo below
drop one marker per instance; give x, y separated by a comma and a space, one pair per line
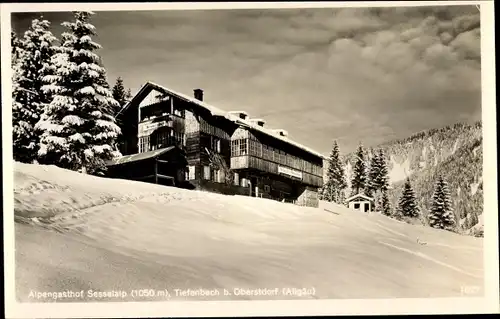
222, 154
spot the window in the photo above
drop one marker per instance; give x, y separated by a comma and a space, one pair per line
235, 148
243, 147
239, 147
215, 144
255, 148
162, 139
178, 138
265, 152
206, 172
267, 189
289, 161
191, 173
244, 182
143, 144
236, 179
179, 113
283, 158
217, 176
356, 205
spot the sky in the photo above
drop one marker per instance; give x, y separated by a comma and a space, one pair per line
354, 75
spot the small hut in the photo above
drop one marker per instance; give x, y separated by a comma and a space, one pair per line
361, 202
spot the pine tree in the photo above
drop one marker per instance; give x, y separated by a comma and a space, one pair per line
382, 180
17, 94
386, 204
119, 94
407, 205
358, 181
79, 133
474, 219
466, 223
441, 213
335, 179
32, 65
378, 179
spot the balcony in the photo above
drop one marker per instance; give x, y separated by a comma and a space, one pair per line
250, 154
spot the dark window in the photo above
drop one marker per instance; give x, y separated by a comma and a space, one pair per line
356, 205
215, 144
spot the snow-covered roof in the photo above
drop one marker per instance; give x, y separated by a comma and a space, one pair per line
231, 116
353, 197
139, 156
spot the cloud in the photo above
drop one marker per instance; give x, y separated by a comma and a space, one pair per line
352, 74
467, 44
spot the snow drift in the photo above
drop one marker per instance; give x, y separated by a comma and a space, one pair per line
79, 232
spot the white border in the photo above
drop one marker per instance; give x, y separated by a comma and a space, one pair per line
488, 304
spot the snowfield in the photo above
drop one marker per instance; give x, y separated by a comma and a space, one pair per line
78, 232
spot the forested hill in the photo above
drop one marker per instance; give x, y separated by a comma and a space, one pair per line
453, 151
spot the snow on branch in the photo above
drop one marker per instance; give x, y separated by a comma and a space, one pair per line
73, 120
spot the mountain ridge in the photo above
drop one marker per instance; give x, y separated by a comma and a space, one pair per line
453, 151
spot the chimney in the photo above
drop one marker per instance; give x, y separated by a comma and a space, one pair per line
198, 94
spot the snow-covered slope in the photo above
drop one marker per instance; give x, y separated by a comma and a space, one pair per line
81, 232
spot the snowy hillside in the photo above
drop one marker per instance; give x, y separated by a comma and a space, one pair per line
454, 151
81, 232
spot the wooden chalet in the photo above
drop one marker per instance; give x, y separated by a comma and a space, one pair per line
174, 139
361, 202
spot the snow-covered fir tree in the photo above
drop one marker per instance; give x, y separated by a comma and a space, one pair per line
385, 205
79, 133
32, 65
407, 205
17, 93
382, 180
358, 180
102, 80
441, 213
15, 45
120, 94
378, 176
335, 179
